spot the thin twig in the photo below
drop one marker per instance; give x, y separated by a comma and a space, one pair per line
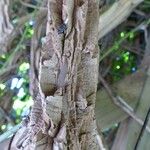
18, 47
5, 115
10, 132
117, 100
133, 49
139, 27
143, 129
99, 140
32, 6
141, 13
8, 69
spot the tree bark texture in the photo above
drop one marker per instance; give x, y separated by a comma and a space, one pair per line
63, 114
64, 97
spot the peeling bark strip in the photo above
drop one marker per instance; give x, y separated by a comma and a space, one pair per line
63, 113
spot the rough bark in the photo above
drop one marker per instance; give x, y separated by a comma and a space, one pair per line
104, 26
75, 99
64, 97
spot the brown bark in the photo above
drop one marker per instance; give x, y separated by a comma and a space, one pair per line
70, 104
64, 97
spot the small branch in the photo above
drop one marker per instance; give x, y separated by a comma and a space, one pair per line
8, 69
115, 15
120, 138
135, 50
101, 146
9, 133
122, 104
5, 115
139, 27
138, 12
14, 52
32, 6
143, 129
20, 24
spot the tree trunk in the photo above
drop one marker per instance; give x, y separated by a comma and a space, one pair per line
63, 114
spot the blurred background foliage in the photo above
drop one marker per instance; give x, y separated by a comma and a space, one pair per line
121, 53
